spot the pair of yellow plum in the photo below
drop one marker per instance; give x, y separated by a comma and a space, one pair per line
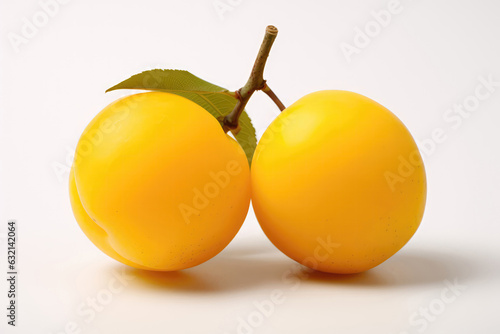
157, 184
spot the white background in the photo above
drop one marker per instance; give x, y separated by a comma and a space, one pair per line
427, 59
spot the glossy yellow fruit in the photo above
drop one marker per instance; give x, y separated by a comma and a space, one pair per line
157, 184
338, 183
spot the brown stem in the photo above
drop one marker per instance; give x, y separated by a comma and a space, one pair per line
273, 97
255, 81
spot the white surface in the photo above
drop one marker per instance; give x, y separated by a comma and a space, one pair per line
427, 59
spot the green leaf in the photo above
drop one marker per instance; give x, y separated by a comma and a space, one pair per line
216, 100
